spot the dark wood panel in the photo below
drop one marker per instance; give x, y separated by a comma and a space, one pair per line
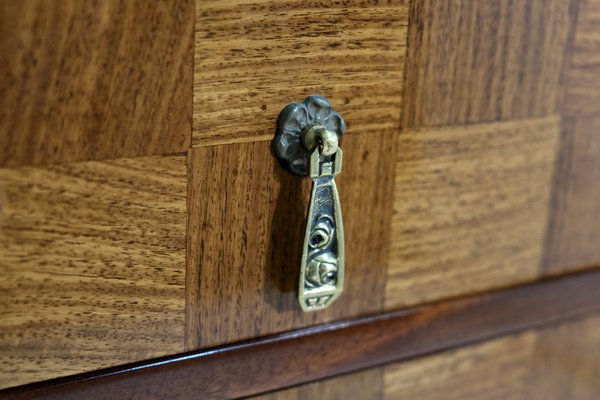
315, 353
557, 362
470, 208
252, 58
573, 238
475, 61
82, 80
245, 233
583, 86
365, 385
92, 265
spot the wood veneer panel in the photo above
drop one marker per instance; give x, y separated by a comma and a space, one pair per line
311, 354
365, 385
493, 370
480, 61
246, 227
470, 208
84, 80
558, 362
252, 58
574, 232
92, 265
583, 86
566, 362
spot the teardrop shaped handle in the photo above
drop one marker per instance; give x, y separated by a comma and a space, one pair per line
322, 265
307, 142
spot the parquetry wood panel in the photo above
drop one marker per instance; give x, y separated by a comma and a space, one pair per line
92, 265
574, 231
245, 232
486, 60
83, 80
583, 86
554, 363
470, 208
254, 57
366, 385
492, 370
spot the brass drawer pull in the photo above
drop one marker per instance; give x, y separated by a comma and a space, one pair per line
307, 141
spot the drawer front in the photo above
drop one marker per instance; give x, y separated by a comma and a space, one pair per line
143, 212
462, 190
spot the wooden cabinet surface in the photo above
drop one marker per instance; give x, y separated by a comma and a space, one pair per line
557, 362
143, 213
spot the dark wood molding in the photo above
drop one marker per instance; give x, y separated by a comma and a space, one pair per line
309, 354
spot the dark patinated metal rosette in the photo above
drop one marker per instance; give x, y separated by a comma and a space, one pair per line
293, 120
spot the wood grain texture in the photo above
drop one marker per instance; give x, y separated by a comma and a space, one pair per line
559, 362
492, 370
92, 265
573, 239
245, 233
310, 354
583, 86
252, 58
84, 80
470, 208
566, 362
365, 385
481, 61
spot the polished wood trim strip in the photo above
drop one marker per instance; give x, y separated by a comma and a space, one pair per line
314, 353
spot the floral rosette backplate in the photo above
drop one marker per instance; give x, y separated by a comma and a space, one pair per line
293, 120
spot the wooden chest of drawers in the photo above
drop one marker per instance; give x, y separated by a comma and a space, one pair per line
145, 219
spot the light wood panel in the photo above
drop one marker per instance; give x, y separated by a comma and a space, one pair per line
245, 233
252, 58
481, 61
92, 265
470, 208
83, 80
574, 233
492, 370
566, 362
366, 385
583, 86
555, 363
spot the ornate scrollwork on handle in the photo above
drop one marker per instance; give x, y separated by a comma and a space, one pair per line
322, 265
